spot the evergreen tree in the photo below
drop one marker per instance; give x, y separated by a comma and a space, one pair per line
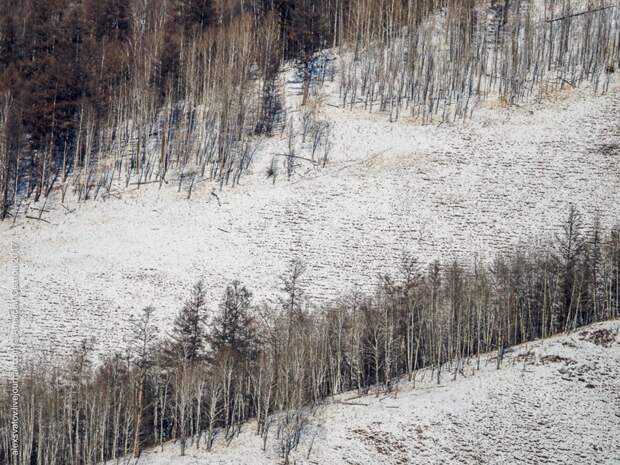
109, 19
233, 326
569, 250
8, 40
189, 330
142, 344
193, 15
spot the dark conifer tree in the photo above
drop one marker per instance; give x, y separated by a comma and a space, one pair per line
233, 326
570, 249
189, 329
142, 345
8, 40
193, 15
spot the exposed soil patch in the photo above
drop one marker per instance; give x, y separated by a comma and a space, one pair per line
601, 337
385, 443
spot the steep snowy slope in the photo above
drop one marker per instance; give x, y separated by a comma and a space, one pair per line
555, 401
440, 192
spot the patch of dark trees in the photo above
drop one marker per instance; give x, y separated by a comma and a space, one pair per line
61, 60
91, 91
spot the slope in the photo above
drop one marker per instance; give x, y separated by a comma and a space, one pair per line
554, 401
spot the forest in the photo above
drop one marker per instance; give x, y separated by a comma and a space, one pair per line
96, 95
224, 363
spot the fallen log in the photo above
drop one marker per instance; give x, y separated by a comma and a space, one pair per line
353, 403
37, 218
581, 13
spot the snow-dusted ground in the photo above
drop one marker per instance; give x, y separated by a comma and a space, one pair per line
555, 401
439, 192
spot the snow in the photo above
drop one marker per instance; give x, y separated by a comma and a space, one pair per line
554, 401
464, 190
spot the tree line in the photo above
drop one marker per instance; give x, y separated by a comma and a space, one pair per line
223, 363
97, 95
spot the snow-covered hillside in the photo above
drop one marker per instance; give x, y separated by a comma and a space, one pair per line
445, 191
555, 401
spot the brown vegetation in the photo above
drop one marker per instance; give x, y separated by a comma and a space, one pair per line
96, 94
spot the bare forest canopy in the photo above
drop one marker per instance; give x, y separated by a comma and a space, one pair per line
95, 94
223, 363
